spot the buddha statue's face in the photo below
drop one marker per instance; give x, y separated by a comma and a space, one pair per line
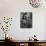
35, 3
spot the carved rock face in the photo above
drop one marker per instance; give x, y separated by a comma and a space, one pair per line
35, 3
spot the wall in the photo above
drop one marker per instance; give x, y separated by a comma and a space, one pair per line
13, 8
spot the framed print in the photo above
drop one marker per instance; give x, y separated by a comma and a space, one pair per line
26, 19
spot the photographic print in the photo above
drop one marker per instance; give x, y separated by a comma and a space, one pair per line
26, 20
